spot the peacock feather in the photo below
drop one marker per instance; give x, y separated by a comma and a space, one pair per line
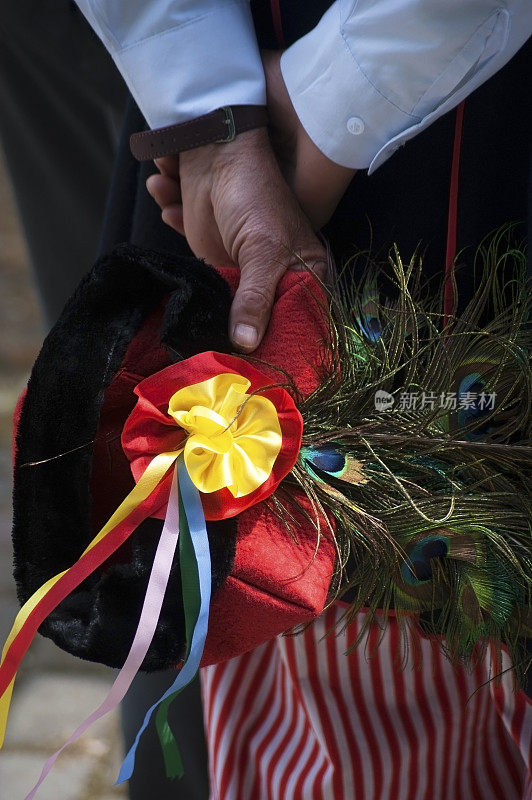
328, 462
368, 316
427, 489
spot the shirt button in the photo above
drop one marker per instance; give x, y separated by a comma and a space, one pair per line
355, 125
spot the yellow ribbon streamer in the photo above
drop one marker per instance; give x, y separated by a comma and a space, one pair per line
149, 481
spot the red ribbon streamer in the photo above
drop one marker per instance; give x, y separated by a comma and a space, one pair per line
77, 573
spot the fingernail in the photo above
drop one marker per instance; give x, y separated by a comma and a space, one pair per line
148, 185
245, 336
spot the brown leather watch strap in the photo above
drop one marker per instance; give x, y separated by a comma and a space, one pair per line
219, 126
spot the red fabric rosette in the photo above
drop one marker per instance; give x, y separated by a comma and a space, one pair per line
149, 429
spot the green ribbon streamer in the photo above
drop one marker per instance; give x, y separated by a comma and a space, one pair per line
191, 606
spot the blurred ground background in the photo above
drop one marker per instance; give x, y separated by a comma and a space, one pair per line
54, 692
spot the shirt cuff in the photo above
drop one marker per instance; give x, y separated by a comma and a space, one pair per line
359, 106
346, 117
193, 68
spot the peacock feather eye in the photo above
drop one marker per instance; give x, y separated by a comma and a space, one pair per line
370, 326
417, 567
473, 412
367, 312
328, 461
325, 458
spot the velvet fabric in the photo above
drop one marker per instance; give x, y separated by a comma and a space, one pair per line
105, 341
136, 313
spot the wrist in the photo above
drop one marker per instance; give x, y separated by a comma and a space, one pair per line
217, 127
246, 142
215, 156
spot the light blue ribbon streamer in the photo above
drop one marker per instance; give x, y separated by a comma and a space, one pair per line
198, 532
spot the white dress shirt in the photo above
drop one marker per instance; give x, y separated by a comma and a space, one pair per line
371, 75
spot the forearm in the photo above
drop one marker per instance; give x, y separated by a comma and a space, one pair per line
366, 79
372, 75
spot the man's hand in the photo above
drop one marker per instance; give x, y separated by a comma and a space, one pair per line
234, 207
317, 182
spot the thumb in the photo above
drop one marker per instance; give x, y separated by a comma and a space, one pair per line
261, 268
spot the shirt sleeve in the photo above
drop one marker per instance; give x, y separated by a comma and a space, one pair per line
181, 58
372, 75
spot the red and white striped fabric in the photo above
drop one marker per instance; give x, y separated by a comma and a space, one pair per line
297, 719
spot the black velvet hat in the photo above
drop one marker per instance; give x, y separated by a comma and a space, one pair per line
134, 314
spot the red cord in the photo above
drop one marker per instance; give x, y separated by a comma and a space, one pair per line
452, 217
277, 19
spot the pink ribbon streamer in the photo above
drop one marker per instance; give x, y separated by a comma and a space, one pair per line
149, 617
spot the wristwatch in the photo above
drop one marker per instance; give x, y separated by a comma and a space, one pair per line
220, 126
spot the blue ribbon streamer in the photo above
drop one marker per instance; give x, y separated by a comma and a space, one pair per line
198, 531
